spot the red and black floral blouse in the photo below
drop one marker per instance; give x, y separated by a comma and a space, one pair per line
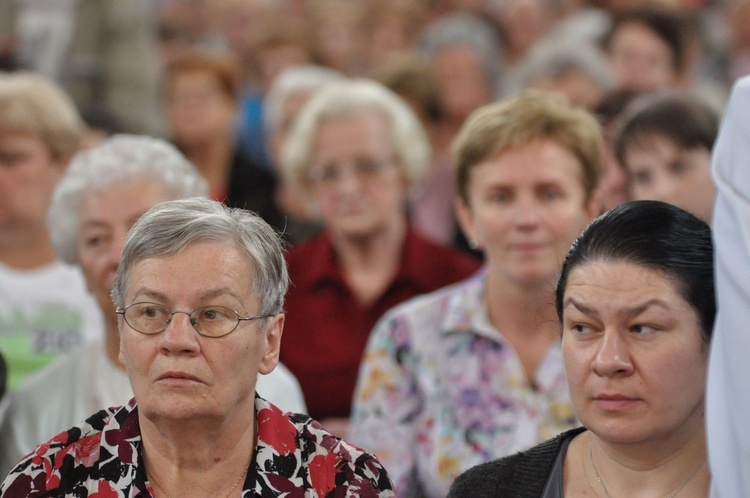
101, 458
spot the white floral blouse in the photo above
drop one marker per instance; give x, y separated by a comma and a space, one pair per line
440, 390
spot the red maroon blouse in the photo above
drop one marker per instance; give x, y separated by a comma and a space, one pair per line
326, 328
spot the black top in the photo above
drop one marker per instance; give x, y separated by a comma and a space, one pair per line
253, 188
523, 475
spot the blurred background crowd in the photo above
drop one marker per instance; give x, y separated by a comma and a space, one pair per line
393, 82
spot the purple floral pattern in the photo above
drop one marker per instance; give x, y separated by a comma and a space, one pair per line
440, 390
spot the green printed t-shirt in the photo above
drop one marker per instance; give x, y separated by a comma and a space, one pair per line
44, 313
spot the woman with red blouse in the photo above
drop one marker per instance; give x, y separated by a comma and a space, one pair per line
355, 154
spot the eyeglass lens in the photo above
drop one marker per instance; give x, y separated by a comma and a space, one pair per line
212, 321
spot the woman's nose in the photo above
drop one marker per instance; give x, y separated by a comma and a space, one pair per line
526, 212
613, 356
180, 335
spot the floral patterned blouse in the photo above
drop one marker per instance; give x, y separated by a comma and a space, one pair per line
440, 390
101, 458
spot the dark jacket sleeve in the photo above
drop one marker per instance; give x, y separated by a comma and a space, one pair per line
522, 475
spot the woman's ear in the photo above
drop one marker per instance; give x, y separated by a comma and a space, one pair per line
465, 218
274, 330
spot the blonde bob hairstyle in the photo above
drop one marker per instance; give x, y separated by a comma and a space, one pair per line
529, 116
33, 104
348, 98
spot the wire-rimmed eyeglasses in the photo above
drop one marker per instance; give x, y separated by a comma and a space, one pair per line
208, 321
364, 168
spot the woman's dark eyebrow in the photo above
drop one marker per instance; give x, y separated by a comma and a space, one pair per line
625, 313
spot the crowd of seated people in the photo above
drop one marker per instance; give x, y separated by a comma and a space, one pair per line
426, 165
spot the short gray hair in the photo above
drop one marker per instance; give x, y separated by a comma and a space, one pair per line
303, 79
556, 57
170, 227
349, 98
465, 29
119, 159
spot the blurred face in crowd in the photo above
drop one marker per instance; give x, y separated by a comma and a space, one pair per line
28, 175
660, 169
525, 207
576, 85
640, 59
105, 216
634, 354
358, 183
462, 83
198, 109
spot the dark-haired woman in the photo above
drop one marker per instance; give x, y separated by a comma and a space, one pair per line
636, 303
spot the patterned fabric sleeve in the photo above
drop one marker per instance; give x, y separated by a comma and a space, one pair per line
296, 455
66, 465
387, 402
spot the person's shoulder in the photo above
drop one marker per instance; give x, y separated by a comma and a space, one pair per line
333, 463
436, 304
442, 251
48, 387
436, 265
358, 468
282, 388
304, 433
299, 252
66, 452
309, 261
519, 473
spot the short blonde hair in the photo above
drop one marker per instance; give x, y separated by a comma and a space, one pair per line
349, 98
33, 104
531, 115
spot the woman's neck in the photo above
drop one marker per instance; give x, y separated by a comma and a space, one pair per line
653, 468
26, 249
525, 316
370, 262
198, 458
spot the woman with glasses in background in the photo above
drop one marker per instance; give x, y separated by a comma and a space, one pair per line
355, 154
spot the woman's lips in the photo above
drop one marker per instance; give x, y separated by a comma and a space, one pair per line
614, 402
177, 378
525, 248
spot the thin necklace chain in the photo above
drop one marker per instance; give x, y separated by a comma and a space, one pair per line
689, 478
244, 472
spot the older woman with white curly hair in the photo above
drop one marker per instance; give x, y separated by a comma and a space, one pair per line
103, 193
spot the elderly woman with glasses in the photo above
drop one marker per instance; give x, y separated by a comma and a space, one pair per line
97, 201
200, 294
355, 153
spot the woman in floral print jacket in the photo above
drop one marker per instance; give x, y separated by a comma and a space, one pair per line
195, 428
103, 457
